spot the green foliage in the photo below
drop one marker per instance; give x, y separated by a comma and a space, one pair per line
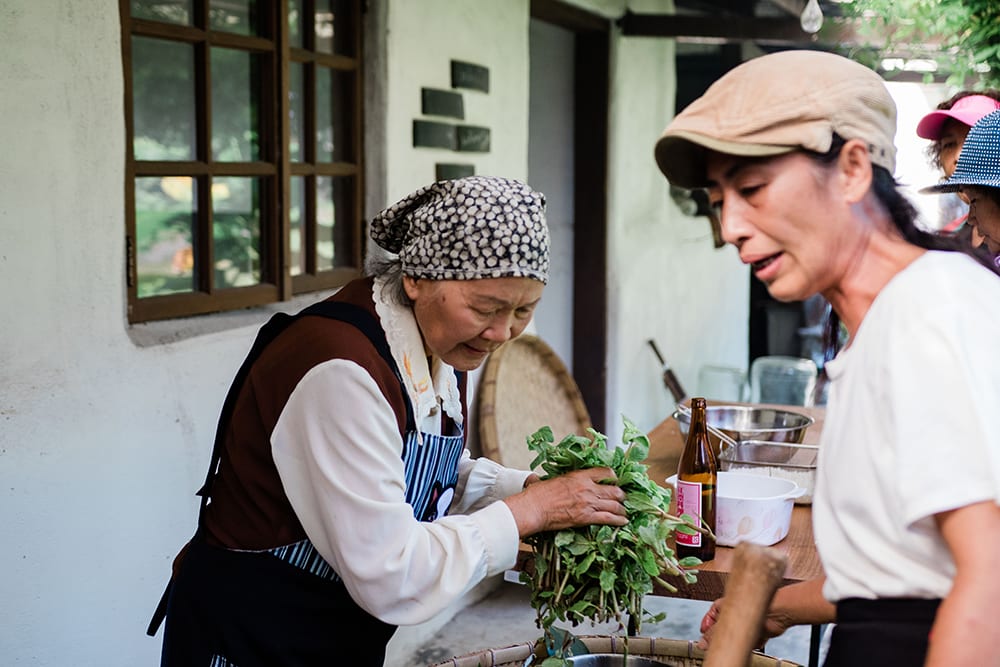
602, 573
962, 36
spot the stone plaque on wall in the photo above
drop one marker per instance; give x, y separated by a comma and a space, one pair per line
444, 172
473, 139
468, 75
434, 102
430, 134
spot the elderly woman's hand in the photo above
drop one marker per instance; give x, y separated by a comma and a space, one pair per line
577, 498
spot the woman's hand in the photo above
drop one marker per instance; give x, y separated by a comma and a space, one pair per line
577, 498
774, 625
795, 604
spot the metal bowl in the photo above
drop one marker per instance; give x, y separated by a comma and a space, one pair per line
748, 422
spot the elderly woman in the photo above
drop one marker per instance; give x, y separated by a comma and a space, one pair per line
344, 502
796, 151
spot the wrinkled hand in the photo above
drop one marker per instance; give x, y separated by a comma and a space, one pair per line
574, 499
774, 625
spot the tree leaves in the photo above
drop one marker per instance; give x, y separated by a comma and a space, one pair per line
962, 36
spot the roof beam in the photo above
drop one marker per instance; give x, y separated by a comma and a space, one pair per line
777, 30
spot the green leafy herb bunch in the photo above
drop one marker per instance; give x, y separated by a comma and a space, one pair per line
601, 573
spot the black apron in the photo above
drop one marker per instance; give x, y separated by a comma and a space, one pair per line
891, 631
286, 606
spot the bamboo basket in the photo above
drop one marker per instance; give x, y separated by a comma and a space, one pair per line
525, 386
673, 652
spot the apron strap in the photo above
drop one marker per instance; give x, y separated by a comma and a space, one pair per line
337, 310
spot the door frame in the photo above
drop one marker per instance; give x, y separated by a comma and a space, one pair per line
592, 68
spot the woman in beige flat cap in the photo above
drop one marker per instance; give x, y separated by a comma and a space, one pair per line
796, 151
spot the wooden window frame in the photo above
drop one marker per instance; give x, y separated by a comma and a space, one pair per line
274, 166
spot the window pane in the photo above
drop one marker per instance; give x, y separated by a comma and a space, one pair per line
296, 112
295, 23
334, 110
236, 231
296, 230
235, 106
334, 27
333, 222
239, 16
163, 100
164, 223
168, 11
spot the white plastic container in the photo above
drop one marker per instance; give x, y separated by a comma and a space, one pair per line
752, 508
775, 459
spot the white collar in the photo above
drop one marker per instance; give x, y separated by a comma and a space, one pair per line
407, 346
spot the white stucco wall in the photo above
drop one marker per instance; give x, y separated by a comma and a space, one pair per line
423, 38
666, 280
102, 442
105, 434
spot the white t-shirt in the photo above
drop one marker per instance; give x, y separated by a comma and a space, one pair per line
911, 429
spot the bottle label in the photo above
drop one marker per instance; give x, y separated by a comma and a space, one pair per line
689, 502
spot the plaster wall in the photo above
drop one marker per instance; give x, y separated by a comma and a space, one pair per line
666, 280
106, 428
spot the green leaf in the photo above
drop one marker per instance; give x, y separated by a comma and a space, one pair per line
602, 573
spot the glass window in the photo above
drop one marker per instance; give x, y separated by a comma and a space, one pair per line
235, 106
168, 11
296, 111
164, 235
163, 113
295, 23
238, 16
333, 27
220, 214
334, 102
236, 231
296, 219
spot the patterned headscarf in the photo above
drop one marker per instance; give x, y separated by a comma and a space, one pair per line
468, 228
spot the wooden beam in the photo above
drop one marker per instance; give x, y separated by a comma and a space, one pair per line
773, 31
780, 30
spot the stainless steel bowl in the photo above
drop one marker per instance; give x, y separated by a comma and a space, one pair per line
748, 422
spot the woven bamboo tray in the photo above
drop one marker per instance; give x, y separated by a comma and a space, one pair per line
673, 652
525, 385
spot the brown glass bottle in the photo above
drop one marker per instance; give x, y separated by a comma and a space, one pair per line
697, 479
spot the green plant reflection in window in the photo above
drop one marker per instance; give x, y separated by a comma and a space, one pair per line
296, 220
235, 106
326, 216
236, 16
164, 218
167, 11
236, 231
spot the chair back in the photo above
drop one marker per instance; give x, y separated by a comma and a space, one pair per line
525, 386
783, 380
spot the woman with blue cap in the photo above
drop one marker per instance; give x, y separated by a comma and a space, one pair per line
341, 501
977, 179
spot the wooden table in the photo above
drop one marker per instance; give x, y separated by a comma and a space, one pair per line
665, 446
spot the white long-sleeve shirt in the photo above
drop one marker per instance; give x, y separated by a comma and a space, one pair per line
338, 452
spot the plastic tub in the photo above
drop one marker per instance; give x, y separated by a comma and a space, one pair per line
752, 508
789, 461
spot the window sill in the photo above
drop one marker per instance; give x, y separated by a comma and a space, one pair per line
163, 332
